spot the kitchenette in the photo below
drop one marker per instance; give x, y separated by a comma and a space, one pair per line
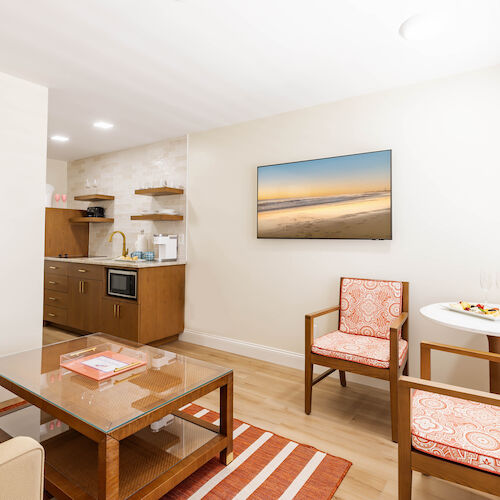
115, 262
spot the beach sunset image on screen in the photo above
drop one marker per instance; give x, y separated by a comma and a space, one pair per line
339, 197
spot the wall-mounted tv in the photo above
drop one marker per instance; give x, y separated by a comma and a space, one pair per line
342, 197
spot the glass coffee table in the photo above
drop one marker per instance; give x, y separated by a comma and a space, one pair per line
124, 437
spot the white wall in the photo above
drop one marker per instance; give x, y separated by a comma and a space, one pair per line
446, 177
57, 175
23, 151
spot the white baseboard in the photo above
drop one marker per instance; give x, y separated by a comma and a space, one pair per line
264, 353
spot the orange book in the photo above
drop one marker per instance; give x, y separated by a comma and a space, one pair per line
103, 365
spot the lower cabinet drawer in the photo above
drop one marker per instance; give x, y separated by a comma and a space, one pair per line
55, 314
86, 271
55, 282
55, 299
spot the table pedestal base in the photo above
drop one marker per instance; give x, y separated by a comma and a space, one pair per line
494, 346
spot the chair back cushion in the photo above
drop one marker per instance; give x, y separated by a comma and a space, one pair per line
368, 307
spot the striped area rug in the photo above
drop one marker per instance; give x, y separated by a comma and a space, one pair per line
265, 467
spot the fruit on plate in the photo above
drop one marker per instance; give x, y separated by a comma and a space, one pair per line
480, 308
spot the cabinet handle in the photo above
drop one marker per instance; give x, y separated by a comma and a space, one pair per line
52, 267
53, 315
52, 298
114, 310
118, 310
82, 270
52, 282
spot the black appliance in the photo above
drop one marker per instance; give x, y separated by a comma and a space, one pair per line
95, 212
122, 283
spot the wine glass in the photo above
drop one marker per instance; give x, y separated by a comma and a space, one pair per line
94, 185
486, 282
87, 184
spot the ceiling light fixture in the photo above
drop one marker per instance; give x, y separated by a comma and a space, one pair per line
422, 27
59, 138
103, 125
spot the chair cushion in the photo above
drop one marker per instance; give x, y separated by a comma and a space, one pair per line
368, 307
457, 430
370, 351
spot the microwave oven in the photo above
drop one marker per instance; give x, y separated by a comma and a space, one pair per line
122, 283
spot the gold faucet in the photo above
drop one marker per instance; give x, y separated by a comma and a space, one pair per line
125, 249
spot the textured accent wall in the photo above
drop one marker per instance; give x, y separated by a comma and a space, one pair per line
120, 174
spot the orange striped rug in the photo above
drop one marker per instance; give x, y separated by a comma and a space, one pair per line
265, 467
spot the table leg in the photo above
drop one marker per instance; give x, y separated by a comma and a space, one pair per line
494, 346
108, 468
226, 419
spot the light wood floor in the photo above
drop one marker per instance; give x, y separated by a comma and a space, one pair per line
351, 422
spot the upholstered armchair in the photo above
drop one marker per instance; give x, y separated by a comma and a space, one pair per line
371, 339
21, 469
447, 431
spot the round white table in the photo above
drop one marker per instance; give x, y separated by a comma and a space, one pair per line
491, 329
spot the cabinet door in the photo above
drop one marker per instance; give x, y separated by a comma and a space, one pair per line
76, 314
91, 304
119, 318
84, 304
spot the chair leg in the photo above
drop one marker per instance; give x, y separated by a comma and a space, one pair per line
343, 381
394, 407
308, 386
404, 482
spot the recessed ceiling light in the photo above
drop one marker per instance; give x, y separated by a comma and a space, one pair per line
59, 138
103, 125
422, 27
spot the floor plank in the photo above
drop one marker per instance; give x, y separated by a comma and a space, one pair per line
351, 422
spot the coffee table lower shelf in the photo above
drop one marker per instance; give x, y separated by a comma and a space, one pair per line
150, 463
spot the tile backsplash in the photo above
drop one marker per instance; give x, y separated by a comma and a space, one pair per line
120, 174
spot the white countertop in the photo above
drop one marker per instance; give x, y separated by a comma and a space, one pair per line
109, 262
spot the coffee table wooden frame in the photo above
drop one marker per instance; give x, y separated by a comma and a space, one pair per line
109, 443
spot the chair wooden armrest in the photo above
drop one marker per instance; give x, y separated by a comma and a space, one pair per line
425, 355
310, 324
407, 383
322, 312
394, 340
399, 321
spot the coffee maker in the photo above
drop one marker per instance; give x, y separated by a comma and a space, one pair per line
165, 247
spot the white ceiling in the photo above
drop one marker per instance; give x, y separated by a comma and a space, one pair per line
164, 68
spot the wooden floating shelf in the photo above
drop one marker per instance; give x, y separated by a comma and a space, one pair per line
94, 197
159, 191
164, 217
91, 220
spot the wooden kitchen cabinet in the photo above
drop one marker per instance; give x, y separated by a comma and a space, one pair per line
75, 298
84, 304
119, 318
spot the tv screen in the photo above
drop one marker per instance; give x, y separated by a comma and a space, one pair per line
344, 197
